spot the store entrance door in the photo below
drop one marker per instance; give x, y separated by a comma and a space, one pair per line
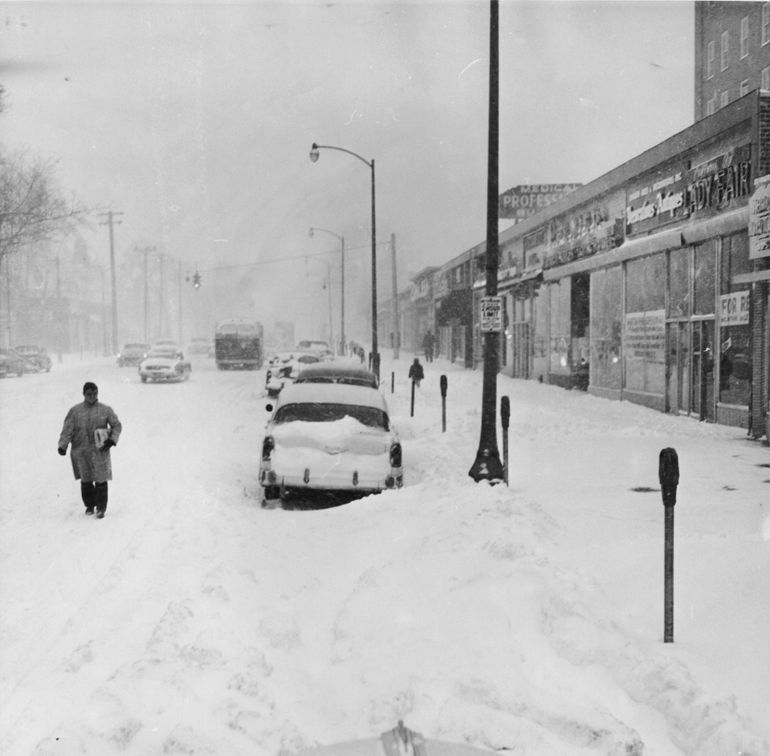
702, 404
678, 400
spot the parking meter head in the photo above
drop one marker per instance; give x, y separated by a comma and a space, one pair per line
443, 385
668, 475
505, 410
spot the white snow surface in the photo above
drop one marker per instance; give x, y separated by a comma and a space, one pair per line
522, 619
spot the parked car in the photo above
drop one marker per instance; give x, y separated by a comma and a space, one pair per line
36, 356
350, 373
132, 354
329, 437
201, 345
14, 363
165, 344
319, 346
284, 367
164, 364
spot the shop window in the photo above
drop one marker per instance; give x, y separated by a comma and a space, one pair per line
644, 289
704, 279
724, 99
734, 361
606, 329
765, 78
644, 325
744, 87
679, 283
560, 327
711, 106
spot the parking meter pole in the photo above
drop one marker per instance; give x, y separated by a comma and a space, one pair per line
392, 382
443, 385
668, 474
505, 416
411, 412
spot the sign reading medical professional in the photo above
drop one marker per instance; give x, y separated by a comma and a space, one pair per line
491, 316
519, 202
759, 219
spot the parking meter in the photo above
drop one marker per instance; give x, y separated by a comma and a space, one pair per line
668, 475
505, 411
443, 385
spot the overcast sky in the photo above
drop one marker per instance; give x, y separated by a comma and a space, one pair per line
195, 121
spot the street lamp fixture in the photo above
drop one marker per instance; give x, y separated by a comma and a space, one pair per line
314, 154
343, 349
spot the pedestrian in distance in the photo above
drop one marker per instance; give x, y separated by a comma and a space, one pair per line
92, 428
428, 345
416, 373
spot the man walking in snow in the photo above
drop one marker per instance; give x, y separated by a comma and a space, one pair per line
416, 373
92, 428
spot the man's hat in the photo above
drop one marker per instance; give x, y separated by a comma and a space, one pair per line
88, 386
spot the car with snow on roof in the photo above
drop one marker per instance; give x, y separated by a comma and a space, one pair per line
35, 356
164, 364
329, 437
347, 372
284, 367
132, 354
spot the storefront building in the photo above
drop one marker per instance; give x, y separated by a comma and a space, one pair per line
650, 284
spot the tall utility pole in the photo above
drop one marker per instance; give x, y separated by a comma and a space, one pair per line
396, 317
487, 465
146, 251
111, 222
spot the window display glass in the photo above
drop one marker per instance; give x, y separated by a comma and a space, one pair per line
734, 332
644, 327
606, 327
560, 327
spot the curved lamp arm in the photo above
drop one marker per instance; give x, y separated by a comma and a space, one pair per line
315, 147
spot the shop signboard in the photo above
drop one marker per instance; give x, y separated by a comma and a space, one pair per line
644, 336
719, 183
491, 314
734, 309
759, 220
656, 202
520, 202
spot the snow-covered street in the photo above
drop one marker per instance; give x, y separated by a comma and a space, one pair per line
525, 619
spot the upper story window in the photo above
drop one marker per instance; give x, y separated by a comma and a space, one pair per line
745, 37
765, 79
724, 99
711, 105
744, 87
725, 49
710, 56
765, 23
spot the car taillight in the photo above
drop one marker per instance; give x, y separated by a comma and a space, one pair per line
267, 447
395, 455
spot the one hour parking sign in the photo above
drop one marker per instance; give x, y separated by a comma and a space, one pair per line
491, 319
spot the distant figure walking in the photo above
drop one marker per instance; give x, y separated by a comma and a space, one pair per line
428, 345
416, 373
92, 428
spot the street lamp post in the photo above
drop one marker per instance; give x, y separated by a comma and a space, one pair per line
370, 163
487, 465
313, 229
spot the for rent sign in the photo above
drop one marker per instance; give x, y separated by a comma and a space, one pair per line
734, 309
524, 200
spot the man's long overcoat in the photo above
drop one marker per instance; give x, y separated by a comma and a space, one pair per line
88, 462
